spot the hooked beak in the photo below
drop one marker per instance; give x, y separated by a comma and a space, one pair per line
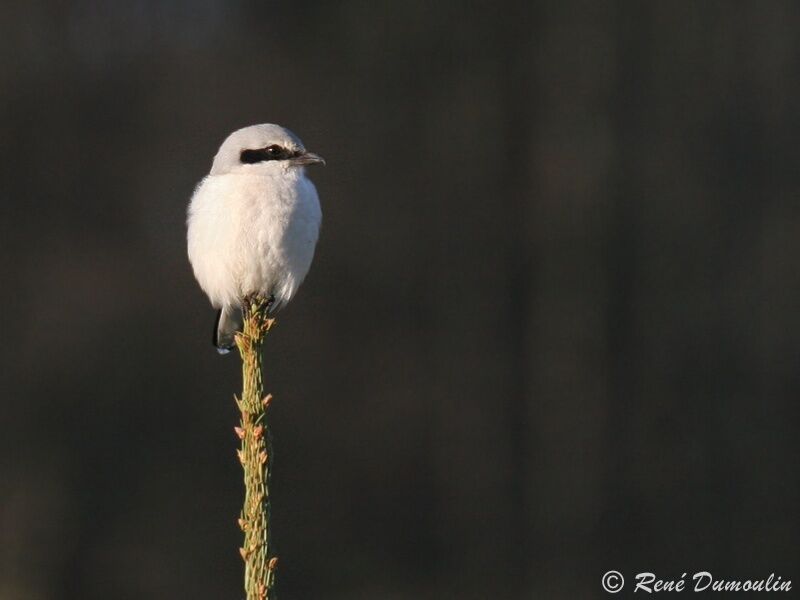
308, 158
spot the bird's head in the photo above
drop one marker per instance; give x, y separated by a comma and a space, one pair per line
263, 149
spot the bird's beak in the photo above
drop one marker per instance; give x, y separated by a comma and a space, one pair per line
308, 158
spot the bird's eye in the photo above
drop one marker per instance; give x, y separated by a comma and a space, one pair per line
274, 150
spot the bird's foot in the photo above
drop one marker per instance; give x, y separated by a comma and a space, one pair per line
251, 301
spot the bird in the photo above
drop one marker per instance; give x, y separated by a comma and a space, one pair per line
253, 224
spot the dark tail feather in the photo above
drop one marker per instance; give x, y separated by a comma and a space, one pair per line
229, 321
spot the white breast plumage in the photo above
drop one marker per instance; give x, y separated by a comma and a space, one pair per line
253, 234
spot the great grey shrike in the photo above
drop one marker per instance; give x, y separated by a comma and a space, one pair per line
253, 223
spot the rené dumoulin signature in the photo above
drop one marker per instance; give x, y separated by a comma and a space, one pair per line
703, 581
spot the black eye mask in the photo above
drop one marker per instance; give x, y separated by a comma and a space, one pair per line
274, 152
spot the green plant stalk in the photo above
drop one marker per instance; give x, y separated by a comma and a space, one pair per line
255, 454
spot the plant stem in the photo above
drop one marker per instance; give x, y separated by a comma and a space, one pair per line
255, 454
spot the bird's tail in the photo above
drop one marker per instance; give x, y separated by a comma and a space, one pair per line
229, 321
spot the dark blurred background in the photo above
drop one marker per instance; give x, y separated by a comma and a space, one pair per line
552, 327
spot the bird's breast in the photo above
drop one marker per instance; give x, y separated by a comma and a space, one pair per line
254, 234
